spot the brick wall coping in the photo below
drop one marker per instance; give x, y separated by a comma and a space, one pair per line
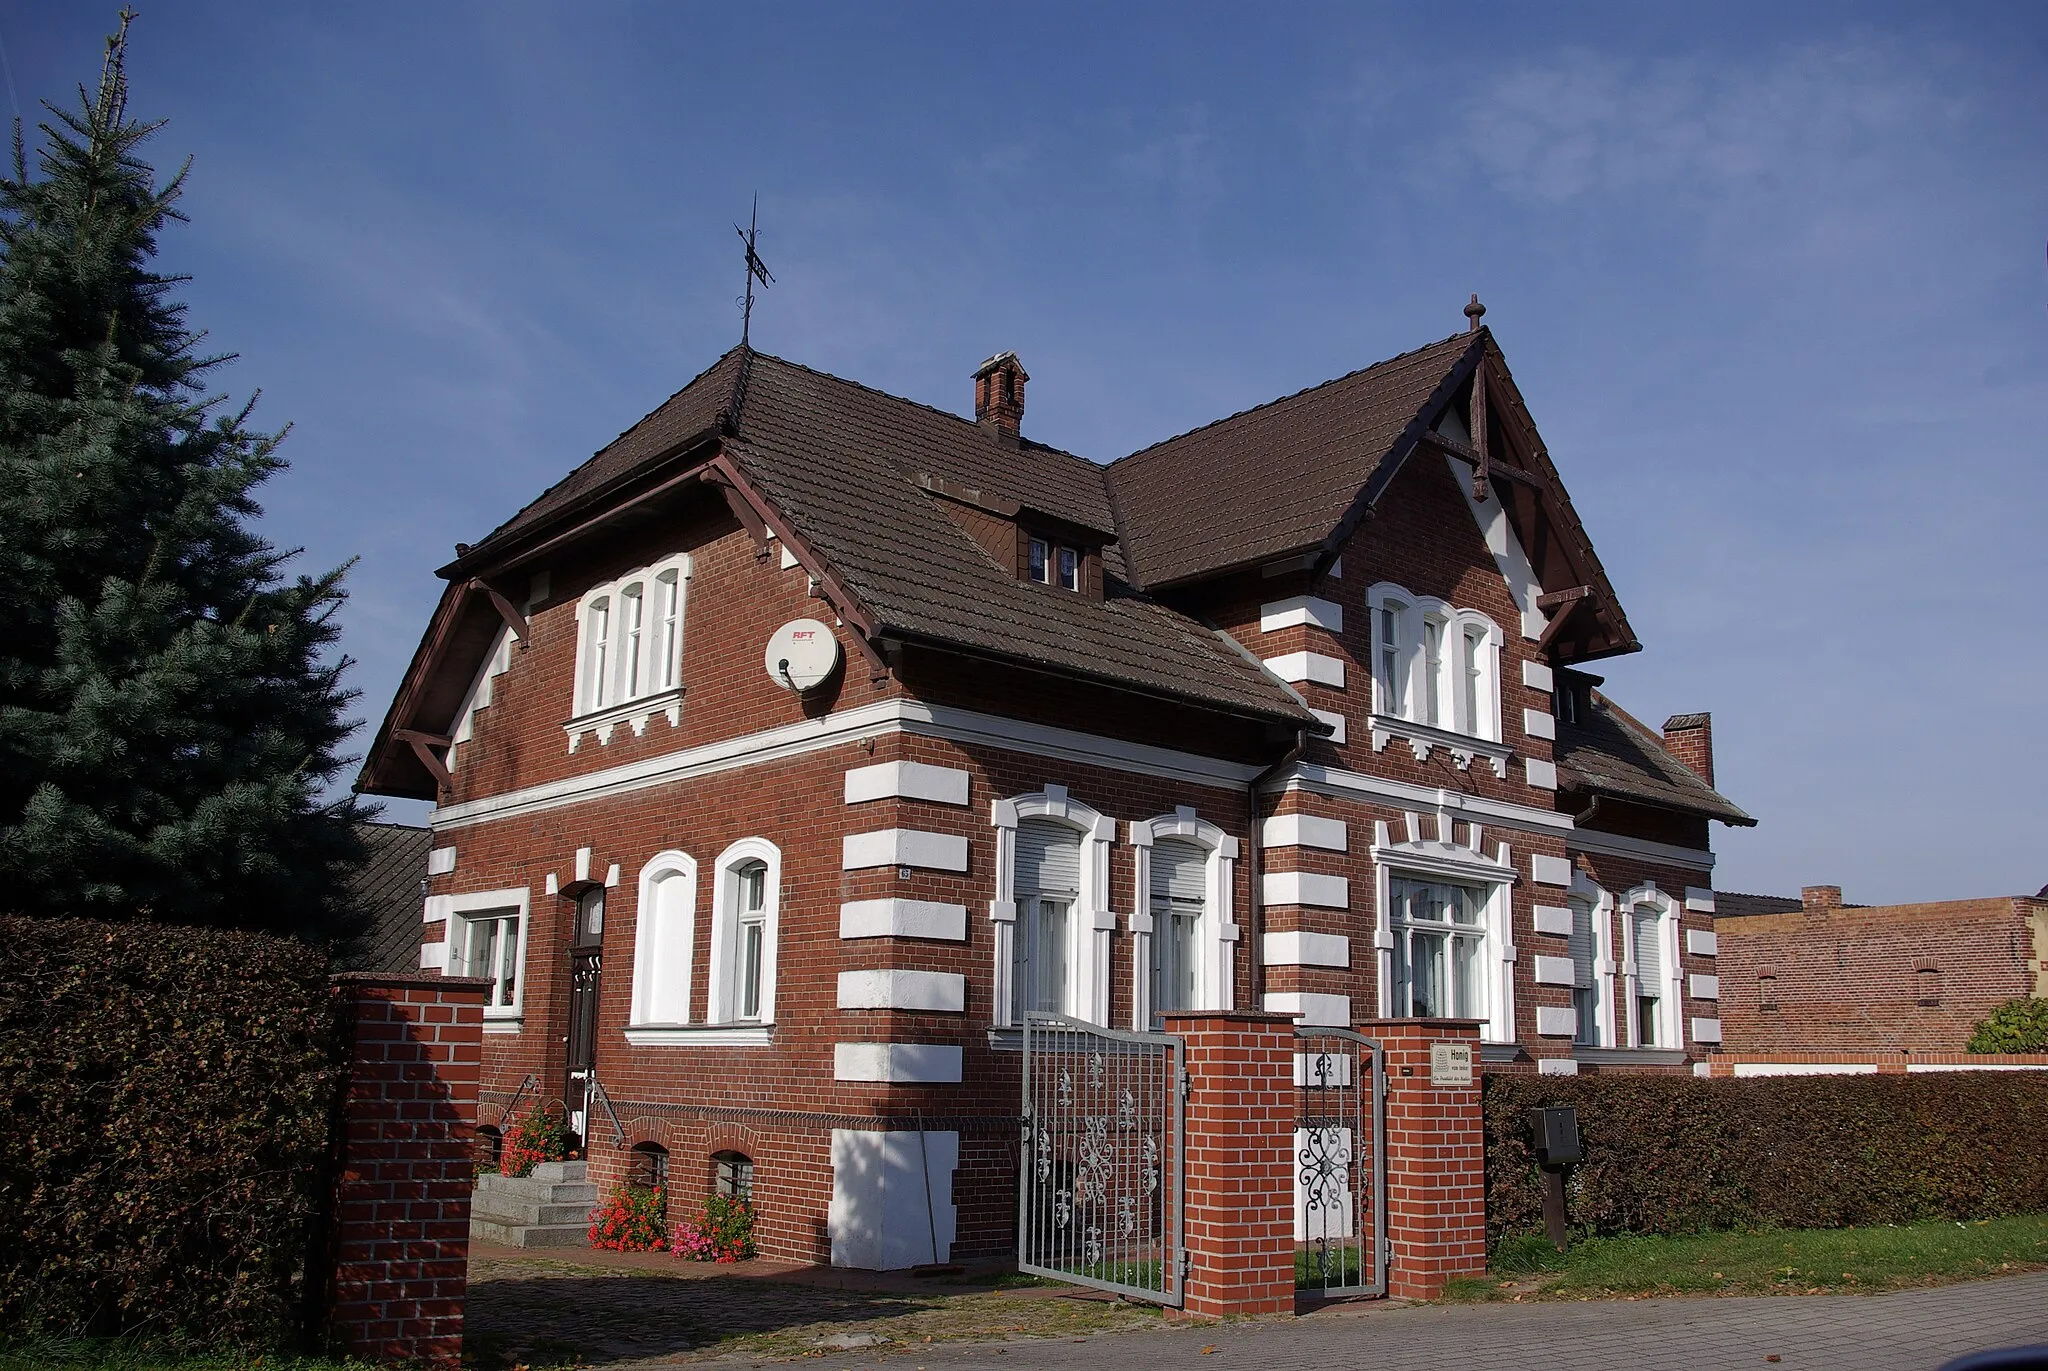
1227, 1015
384, 980
1418, 1023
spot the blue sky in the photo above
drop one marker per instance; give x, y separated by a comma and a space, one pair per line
1771, 278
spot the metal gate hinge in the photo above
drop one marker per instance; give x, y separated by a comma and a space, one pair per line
1187, 1083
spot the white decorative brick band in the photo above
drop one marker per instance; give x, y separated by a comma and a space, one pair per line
441, 861
1704, 987
433, 957
1702, 942
1553, 919
1699, 900
903, 919
1305, 830
1542, 775
1547, 870
1554, 970
1307, 949
1554, 1022
1706, 1030
1556, 1066
1301, 609
1303, 887
1337, 723
897, 1063
1321, 1011
1537, 723
939, 991
1308, 666
1537, 676
906, 780
904, 847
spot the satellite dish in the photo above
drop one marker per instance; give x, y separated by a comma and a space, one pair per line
802, 655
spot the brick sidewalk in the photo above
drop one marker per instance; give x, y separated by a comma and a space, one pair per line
1914, 1330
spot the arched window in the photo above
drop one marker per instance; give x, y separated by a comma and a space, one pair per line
743, 932
664, 942
630, 646
1051, 910
732, 1175
490, 1146
1590, 946
1436, 667
1444, 927
1183, 934
649, 1166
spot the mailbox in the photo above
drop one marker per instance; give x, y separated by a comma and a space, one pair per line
1556, 1135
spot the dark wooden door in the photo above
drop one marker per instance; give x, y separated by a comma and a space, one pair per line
585, 970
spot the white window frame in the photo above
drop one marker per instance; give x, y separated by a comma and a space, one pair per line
1216, 932
603, 683
1392, 692
1439, 858
1607, 1030
664, 940
1669, 1030
1089, 929
1469, 639
463, 910
720, 1007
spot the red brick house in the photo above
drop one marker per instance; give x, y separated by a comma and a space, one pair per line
799, 742
1815, 975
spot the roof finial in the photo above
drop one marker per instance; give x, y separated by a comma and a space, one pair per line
756, 270
1472, 312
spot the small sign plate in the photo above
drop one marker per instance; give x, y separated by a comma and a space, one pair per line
1450, 1063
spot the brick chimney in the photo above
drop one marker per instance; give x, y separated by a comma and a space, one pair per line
999, 394
1690, 738
1820, 899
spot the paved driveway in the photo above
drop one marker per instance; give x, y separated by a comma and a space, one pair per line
1914, 1330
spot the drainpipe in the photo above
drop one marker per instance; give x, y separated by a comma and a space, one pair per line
1255, 909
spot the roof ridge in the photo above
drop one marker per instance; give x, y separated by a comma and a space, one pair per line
1151, 448
1031, 443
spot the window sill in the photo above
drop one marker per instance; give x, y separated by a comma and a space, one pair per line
701, 1035
507, 1023
633, 713
1006, 1040
1629, 1056
1422, 739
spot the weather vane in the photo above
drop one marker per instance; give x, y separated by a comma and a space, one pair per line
756, 270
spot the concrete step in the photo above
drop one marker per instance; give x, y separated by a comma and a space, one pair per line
533, 1190
529, 1235
531, 1214
561, 1171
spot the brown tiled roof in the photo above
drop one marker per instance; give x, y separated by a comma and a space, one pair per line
387, 889
1611, 753
1272, 480
841, 461
692, 410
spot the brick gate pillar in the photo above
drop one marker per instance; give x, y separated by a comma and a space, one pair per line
405, 1165
1239, 1207
1436, 1156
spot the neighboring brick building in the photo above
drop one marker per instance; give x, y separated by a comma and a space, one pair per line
792, 747
1814, 974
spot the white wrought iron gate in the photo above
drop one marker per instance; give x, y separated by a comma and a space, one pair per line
1340, 1174
1100, 1179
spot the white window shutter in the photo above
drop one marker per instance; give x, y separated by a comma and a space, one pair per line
1649, 949
1179, 871
1048, 860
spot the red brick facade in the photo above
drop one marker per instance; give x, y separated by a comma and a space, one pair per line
1888, 979
538, 821
405, 1167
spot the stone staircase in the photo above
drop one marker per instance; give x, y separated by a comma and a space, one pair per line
550, 1208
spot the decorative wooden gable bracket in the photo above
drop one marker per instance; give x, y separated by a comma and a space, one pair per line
1483, 466
422, 745
1451, 447
514, 620
762, 518
1566, 603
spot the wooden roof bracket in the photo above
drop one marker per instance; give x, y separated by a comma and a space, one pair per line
422, 745
1579, 595
514, 620
723, 471
742, 508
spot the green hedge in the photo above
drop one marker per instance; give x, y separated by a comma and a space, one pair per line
170, 1095
1674, 1154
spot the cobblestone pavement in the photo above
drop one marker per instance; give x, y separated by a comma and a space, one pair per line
1913, 1330
610, 1310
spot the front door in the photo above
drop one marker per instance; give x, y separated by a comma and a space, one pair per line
586, 966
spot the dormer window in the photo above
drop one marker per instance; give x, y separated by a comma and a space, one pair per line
1055, 564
